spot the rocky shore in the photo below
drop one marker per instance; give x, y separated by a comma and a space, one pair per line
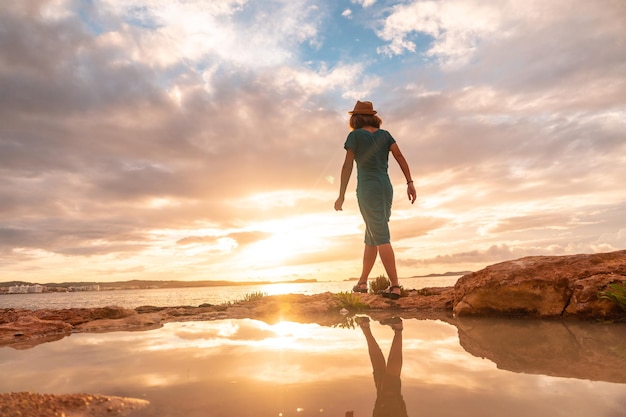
26, 404
544, 287
539, 287
533, 287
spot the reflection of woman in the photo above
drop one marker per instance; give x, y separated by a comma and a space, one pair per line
369, 146
389, 400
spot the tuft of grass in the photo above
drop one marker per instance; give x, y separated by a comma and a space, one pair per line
615, 292
253, 296
379, 283
350, 301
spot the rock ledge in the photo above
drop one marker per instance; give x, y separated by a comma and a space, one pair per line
543, 287
538, 287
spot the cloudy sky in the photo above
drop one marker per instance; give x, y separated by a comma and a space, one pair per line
203, 140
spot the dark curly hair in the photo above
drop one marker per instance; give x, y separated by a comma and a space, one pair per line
358, 121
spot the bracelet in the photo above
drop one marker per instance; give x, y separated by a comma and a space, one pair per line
408, 182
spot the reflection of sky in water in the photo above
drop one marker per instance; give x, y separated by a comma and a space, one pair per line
250, 368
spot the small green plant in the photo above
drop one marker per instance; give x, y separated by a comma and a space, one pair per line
615, 292
379, 283
349, 301
253, 296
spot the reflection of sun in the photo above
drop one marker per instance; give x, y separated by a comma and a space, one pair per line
297, 330
288, 335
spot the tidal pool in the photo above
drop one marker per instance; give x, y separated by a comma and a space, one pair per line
468, 368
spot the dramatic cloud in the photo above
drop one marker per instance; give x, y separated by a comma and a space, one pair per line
157, 139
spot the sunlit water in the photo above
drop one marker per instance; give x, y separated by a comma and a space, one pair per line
188, 296
248, 368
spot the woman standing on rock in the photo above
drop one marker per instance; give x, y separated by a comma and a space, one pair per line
369, 146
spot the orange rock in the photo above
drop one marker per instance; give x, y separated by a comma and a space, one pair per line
543, 286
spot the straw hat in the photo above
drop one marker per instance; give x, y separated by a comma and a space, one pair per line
363, 107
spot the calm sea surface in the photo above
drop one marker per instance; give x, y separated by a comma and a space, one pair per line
444, 367
249, 368
189, 296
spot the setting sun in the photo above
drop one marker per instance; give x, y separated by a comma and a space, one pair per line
290, 241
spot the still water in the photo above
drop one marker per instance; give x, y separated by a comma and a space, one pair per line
189, 296
437, 368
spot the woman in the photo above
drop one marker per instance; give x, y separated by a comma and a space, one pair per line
369, 146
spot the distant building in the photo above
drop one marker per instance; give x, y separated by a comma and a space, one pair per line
94, 287
25, 289
35, 288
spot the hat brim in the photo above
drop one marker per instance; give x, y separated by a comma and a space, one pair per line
370, 112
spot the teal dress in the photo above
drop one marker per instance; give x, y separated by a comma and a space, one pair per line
374, 191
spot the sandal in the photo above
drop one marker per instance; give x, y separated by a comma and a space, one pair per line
359, 287
362, 321
388, 293
394, 322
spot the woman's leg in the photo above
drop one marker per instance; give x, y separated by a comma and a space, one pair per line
388, 258
376, 354
394, 361
369, 258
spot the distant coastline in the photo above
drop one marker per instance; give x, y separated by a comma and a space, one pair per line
155, 284
445, 274
141, 284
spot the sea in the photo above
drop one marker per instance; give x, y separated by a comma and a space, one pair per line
195, 296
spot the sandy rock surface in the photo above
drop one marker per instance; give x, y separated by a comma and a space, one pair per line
26, 404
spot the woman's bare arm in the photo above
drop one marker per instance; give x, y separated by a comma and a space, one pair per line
404, 166
346, 172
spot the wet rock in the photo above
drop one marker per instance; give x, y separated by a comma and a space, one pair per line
26, 404
585, 302
147, 321
543, 286
429, 299
27, 326
8, 315
149, 309
75, 316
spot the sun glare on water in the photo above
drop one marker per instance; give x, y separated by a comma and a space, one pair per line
279, 288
